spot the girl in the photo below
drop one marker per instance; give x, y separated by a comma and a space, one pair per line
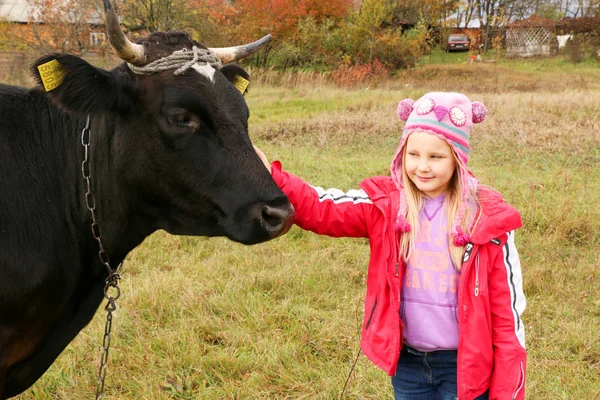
444, 289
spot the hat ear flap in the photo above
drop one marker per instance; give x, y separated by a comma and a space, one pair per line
479, 112
405, 107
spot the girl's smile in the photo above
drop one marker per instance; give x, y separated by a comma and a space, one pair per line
424, 179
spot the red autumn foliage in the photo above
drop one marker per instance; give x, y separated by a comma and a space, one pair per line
250, 19
350, 75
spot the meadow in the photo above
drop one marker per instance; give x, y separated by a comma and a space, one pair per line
211, 319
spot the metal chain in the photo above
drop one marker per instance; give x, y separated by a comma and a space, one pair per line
112, 281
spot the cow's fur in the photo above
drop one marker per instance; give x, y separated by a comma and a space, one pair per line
168, 152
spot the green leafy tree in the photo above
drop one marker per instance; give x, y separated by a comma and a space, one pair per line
153, 15
365, 25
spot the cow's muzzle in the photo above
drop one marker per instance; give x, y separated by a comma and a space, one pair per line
276, 220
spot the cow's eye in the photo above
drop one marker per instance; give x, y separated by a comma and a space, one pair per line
183, 119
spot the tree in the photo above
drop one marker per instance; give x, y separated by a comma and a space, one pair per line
465, 12
289, 21
366, 24
209, 22
281, 17
153, 15
583, 8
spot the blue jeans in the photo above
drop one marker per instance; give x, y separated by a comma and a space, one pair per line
426, 376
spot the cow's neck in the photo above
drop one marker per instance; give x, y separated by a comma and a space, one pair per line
121, 228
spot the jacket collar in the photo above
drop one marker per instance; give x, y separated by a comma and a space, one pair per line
378, 186
495, 218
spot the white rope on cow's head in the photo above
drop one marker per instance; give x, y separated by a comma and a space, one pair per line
180, 59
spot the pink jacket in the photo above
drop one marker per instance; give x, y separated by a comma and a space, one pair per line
491, 352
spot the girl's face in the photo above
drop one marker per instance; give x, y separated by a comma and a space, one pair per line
429, 163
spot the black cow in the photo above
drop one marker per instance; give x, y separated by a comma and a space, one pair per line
167, 151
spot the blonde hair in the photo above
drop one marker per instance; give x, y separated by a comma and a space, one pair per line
454, 198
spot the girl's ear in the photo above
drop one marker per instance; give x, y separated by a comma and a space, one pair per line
236, 75
79, 87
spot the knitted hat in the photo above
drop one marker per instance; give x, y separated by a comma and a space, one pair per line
449, 116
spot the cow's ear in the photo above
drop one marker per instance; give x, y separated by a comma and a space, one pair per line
82, 88
236, 75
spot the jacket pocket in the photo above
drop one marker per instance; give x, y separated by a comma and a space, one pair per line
371, 315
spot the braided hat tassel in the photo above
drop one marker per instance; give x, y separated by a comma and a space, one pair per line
402, 224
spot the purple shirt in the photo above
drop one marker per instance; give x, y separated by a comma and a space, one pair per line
429, 293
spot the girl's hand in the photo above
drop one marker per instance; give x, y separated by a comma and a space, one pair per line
263, 158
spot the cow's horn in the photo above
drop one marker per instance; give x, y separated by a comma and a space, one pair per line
132, 53
231, 54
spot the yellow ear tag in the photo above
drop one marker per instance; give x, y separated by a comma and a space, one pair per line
52, 74
240, 83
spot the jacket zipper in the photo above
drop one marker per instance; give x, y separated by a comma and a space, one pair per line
520, 383
461, 293
477, 275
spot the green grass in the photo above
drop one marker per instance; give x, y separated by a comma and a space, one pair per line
560, 63
496, 74
211, 319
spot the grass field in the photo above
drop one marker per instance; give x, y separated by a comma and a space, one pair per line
211, 319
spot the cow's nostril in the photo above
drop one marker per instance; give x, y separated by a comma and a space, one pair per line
277, 220
273, 217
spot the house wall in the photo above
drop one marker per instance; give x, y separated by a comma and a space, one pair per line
55, 37
22, 43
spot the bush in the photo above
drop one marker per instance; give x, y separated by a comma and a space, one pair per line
402, 49
582, 47
351, 75
315, 44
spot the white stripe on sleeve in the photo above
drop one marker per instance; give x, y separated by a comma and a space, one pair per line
338, 196
515, 285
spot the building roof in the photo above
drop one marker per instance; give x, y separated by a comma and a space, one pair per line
22, 11
14, 10
535, 21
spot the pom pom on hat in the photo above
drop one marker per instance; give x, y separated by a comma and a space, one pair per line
405, 107
479, 112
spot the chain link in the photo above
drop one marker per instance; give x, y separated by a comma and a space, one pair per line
112, 281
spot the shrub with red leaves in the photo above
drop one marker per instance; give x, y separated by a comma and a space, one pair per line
358, 74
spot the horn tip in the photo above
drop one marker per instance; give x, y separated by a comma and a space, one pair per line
107, 5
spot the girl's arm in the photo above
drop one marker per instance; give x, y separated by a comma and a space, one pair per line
327, 212
507, 303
